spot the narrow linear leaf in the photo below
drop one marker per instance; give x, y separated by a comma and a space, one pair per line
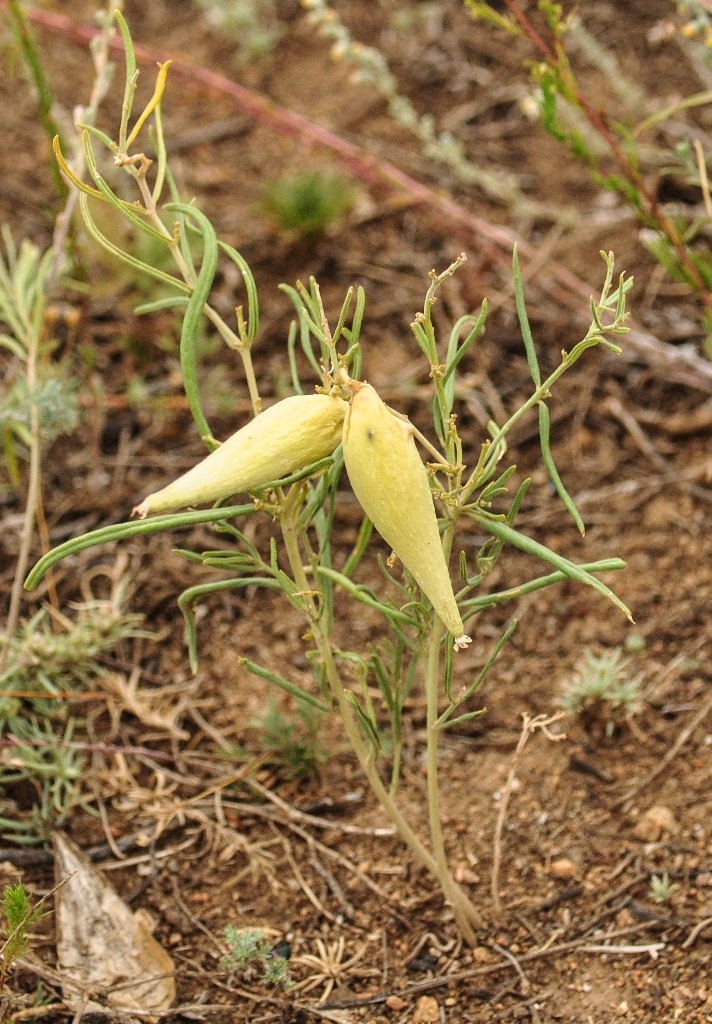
193, 314
336, 334
187, 600
359, 548
100, 136
524, 320
292, 356
131, 73
475, 333
132, 261
69, 173
283, 684
170, 302
305, 326
253, 306
121, 531
544, 439
532, 547
467, 717
366, 597
476, 604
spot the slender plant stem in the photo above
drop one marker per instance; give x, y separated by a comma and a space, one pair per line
464, 912
46, 545
33, 488
463, 909
246, 356
102, 81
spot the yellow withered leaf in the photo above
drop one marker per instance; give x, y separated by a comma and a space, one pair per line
391, 483
285, 438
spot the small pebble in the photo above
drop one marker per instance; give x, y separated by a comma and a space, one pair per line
651, 825
427, 1011
396, 1004
563, 868
482, 955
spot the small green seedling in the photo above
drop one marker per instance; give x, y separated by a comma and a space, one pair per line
249, 948
292, 742
661, 888
601, 691
19, 916
308, 203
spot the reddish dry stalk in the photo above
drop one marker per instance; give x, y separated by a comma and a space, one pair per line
599, 123
678, 365
367, 167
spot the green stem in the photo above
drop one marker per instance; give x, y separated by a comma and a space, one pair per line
396, 758
186, 272
33, 489
246, 356
463, 909
45, 99
465, 912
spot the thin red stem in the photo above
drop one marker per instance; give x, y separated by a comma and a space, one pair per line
494, 240
599, 122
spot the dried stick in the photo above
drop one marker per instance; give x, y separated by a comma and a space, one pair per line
699, 927
529, 726
671, 754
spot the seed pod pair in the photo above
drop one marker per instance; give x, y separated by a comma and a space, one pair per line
286, 437
391, 483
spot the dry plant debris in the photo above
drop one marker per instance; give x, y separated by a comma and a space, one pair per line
106, 953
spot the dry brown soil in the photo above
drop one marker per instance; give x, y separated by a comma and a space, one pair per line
576, 860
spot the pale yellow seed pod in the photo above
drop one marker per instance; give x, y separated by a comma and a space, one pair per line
285, 438
391, 483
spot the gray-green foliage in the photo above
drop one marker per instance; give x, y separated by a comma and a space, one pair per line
56, 399
602, 690
661, 888
248, 947
42, 660
43, 668
23, 275
253, 25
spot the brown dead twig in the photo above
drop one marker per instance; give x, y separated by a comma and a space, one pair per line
670, 754
696, 931
529, 727
681, 365
651, 949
